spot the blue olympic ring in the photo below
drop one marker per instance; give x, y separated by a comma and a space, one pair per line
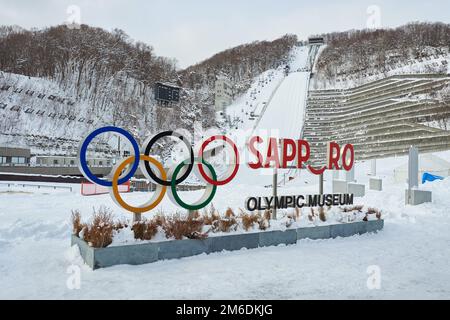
83, 150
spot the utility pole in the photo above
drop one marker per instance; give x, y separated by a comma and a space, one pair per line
275, 192
373, 167
321, 184
137, 217
413, 171
118, 147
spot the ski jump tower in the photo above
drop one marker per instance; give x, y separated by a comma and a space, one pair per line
314, 47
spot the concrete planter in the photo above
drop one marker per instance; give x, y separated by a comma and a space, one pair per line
347, 229
234, 242
374, 226
175, 249
275, 238
111, 256
314, 233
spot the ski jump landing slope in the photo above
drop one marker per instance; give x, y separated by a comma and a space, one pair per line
284, 114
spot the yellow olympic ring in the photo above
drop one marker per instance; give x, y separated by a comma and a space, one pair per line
157, 196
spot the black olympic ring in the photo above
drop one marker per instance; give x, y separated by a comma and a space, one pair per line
149, 146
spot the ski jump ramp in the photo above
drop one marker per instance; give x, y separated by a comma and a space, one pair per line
285, 112
284, 115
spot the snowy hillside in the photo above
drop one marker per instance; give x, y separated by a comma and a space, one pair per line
95, 77
37, 113
356, 57
437, 63
271, 96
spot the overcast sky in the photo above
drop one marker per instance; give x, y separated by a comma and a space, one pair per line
193, 30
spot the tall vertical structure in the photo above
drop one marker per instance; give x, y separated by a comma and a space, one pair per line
223, 93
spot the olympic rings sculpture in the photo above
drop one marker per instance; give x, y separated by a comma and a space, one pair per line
142, 159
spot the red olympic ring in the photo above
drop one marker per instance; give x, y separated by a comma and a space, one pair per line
236, 166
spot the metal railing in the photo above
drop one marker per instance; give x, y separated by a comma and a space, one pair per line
38, 186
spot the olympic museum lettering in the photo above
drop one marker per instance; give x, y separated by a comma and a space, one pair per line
300, 201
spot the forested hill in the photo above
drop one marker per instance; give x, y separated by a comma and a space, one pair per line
358, 55
112, 77
240, 64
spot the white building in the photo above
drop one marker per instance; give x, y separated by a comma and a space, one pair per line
223, 93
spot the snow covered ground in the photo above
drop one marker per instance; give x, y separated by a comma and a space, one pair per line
411, 253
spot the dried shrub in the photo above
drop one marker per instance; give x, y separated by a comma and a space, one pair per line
77, 225
212, 217
212, 210
178, 228
215, 216
311, 215
208, 220
374, 211
229, 213
248, 220
292, 216
99, 232
289, 221
268, 214
263, 224
264, 221
351, 209
120, 225
159, 220
225, 225
298, 212
194, 214
145, 230
322, 214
